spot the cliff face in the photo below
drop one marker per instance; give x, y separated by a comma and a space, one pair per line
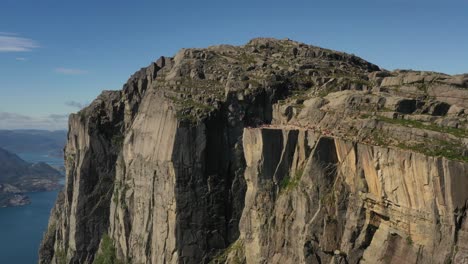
315, 199
271, 152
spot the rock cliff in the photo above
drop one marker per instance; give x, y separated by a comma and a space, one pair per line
271, 152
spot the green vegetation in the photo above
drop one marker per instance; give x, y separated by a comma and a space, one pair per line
117, 140
432, 147
299, 95
191, 110
362, 82
123, 203
296, 96
436, 148
115, 199
108, 253
61, 256
328, 199
189, 103
254, 82
364, 116
450, 149
290, 182
379, 138
70, 158
409, 240
418, 124
329, 89
422, 87
119, 194
349, 77
189, 117
247, 58
236, 248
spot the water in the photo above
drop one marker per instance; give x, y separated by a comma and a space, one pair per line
38, 157
22, 228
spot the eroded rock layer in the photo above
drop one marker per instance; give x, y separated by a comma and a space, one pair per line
271, 152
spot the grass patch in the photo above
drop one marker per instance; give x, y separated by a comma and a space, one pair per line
61, 256
117, 140
379, 138
436, 148
119, 195
191, 110
190, 103
409, 240
255, 83
365, 116
189, 117
247, 58
453, 150
70, 159
362, 82
292, 181
299, 95
458, 132
115, 199
329, 89
236, 247
108, 253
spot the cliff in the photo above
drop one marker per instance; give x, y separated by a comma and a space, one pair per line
271, 152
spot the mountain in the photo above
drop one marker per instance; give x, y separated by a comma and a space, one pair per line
17, 177
271, 152
34, 141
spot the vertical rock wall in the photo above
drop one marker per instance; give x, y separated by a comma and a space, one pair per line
333, 200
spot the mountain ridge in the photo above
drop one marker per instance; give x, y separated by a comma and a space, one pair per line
34, 141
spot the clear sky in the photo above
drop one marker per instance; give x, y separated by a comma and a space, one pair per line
57, 55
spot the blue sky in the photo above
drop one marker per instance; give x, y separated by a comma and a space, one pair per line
56, 56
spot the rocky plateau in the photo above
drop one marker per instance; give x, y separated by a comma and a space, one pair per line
271, 152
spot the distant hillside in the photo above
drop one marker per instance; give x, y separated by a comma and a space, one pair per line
33, 141
18, 176
13, 167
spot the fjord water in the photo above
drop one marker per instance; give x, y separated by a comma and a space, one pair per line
22, 228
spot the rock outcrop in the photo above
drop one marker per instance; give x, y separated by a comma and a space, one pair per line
271, 152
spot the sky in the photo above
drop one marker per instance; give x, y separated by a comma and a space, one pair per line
56, 56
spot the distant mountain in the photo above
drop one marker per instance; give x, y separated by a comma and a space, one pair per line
13, 168
33, 141
18, 176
